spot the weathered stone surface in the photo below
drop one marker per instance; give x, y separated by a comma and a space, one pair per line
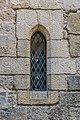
7, 39
46, 4
24, 98
8, 28
7, 14
38, 95
36, 4
64, 113
16, 4
54, 113
37, 112
6, 82
12, 113
27, 19
70, 99
73, 82
57, 48
11, 99
74, 113
22, 82
24, 48
7, 46
71, 4
53, 21
2, 99
58, 82
14, 66
78, 65
2, 3
61, 66
74, 41
74, 23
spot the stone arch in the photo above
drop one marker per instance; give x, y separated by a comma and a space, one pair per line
40, 28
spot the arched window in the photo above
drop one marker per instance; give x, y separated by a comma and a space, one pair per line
38, 62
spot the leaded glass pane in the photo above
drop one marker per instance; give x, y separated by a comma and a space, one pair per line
38, 62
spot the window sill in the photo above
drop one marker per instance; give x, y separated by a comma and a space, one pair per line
37, 97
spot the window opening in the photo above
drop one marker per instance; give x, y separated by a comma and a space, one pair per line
38, 62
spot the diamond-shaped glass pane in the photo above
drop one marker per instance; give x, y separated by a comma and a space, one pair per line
38, 62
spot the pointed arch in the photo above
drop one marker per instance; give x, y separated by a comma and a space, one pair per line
40, 28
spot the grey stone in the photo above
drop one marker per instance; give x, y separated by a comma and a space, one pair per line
54, 113
58, 82
57, 48
28, 19
70, 99
74, 113
71, 4
22, 81
38, 95
73, 82
3, 100
73, 23
46, 4
37, 113
61, 66
7, 46
12, 113
24, 48
74, 41
14, 66
6, 82
78, 65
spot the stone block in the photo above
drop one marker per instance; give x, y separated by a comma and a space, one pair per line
7, 14
38, 95
64, 113
46, 4
13, 113
37, 112
61, 66
73, 82
3, 100
58, 82
28, 19
14, 66
74, 41
24, 48
22, 82
6, 82
74, 113
24, 98
7, 46
8, 28
54, 113
57, 48
74, 23
11, 99
52, 21
2, 3
70, 99
78, 65
71, 4
17, 4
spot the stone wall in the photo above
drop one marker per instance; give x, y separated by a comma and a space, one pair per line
59, 21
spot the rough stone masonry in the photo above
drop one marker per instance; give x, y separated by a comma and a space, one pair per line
59, 21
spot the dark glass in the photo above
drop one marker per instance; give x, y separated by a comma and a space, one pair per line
38, 62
